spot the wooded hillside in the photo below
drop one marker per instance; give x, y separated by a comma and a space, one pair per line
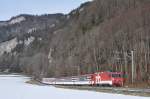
98, 36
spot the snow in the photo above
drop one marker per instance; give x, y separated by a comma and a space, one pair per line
53, 25
14, 87
68, 16
50, 55
81, 9
31, 30
29, 41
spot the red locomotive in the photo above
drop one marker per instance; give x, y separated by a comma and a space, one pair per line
98, 78
108, 78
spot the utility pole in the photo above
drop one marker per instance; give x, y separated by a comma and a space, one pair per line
132, 54
78, 70
125, 59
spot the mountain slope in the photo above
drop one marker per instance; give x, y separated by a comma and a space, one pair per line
97, 36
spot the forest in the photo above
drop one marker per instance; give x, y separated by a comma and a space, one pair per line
101, 35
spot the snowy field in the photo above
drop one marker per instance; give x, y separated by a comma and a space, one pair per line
14, 87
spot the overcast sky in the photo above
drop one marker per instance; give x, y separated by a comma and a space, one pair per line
9, 8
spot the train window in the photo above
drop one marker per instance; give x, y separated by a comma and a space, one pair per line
82, 78
116, 75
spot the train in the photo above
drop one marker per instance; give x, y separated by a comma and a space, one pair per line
94, 79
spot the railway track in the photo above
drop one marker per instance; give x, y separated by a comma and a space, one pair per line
127, 89
116, 90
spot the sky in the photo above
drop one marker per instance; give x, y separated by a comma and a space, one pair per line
10, 8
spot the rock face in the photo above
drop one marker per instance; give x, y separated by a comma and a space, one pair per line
17, 20
8, 46
25, 35
97, 36
22, 24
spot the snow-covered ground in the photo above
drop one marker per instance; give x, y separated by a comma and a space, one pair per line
14, 87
